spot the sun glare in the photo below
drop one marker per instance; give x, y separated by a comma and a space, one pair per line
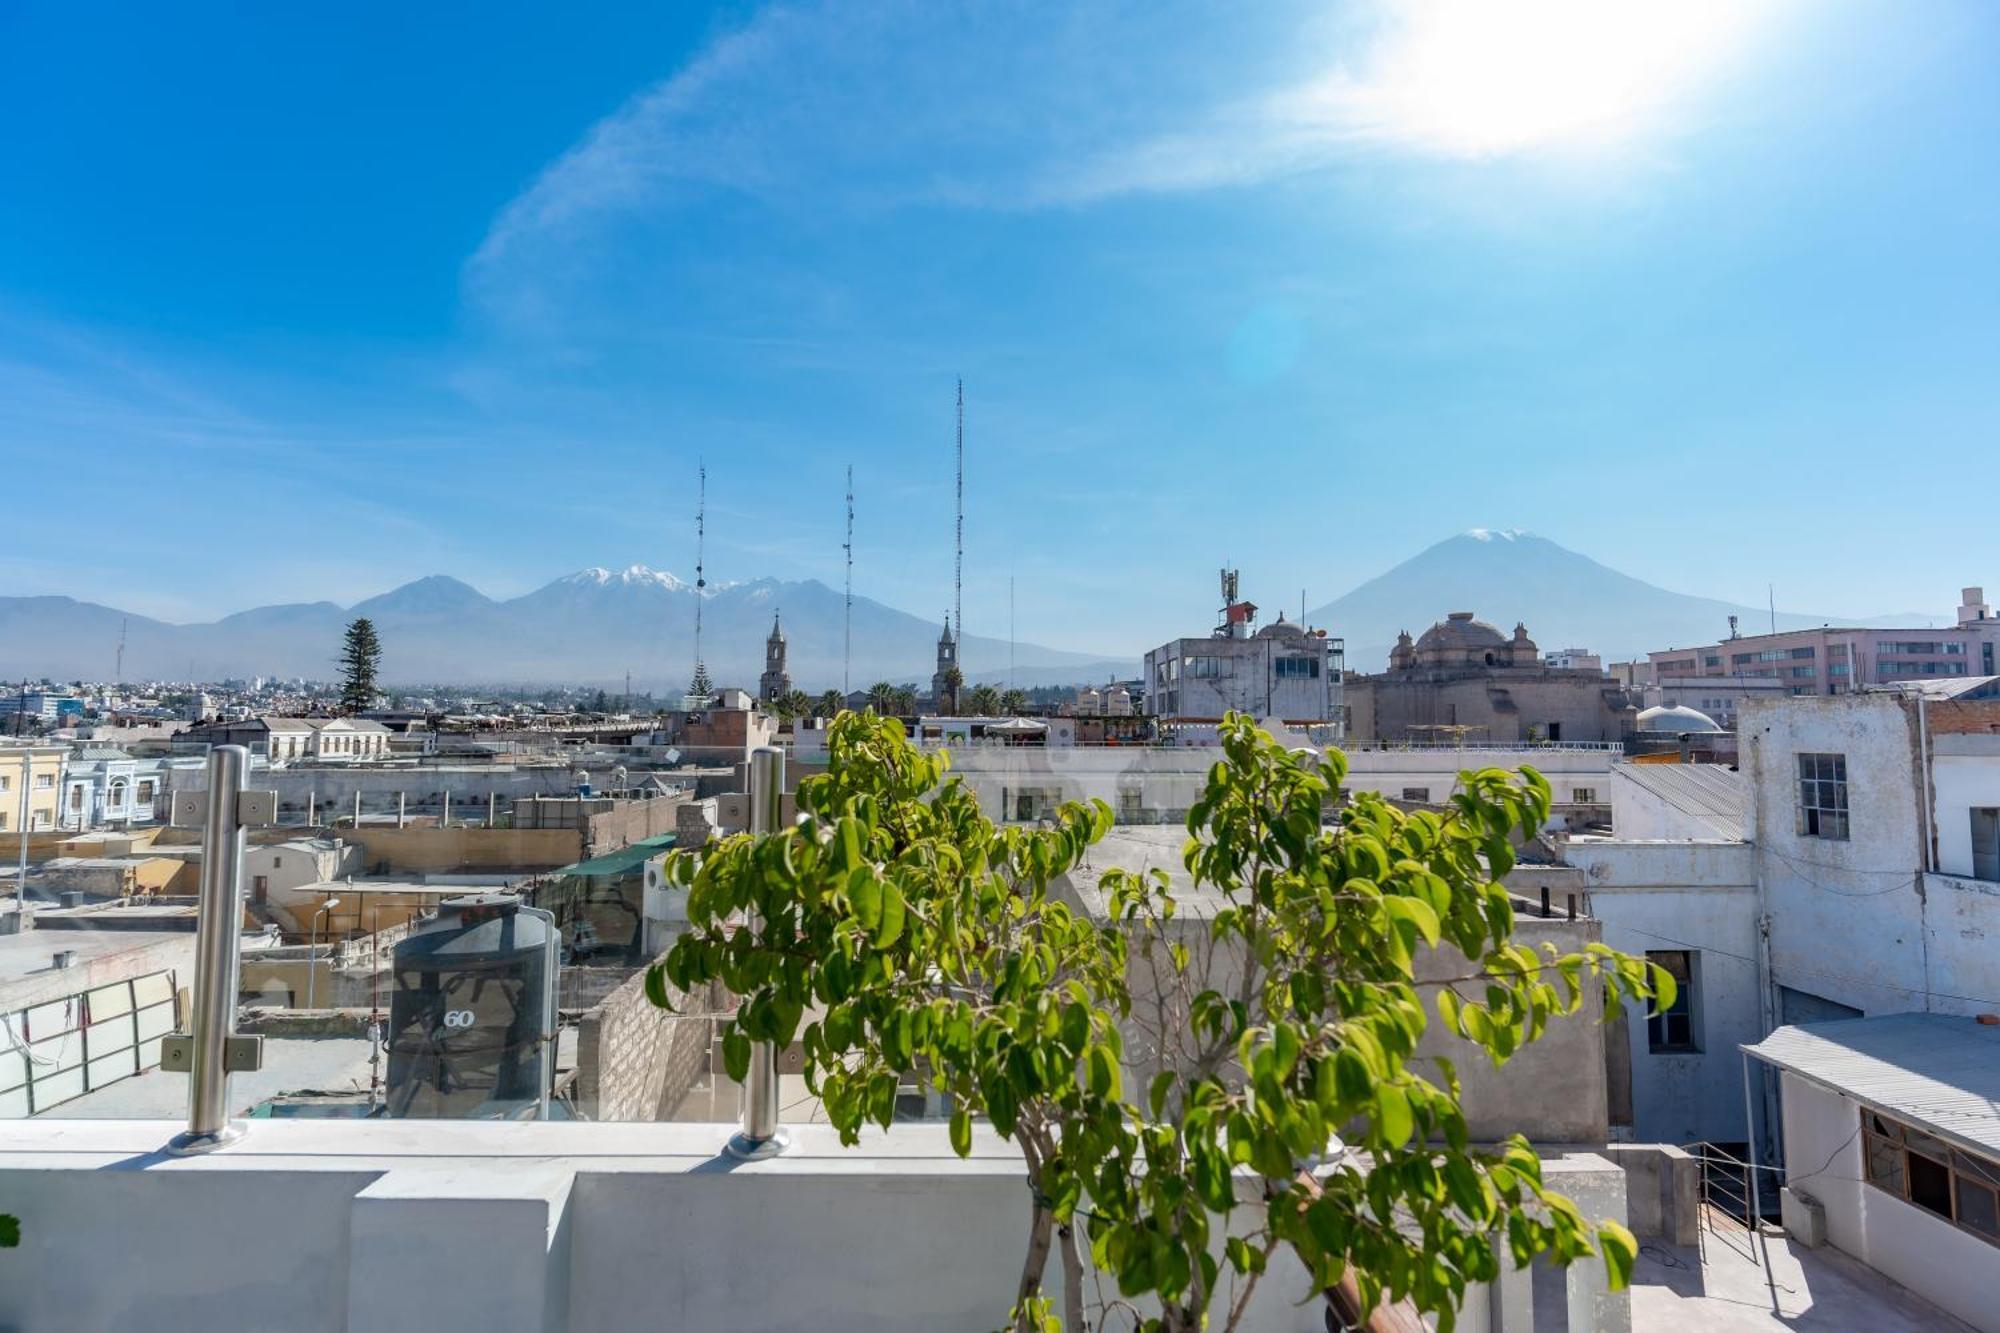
1478, 77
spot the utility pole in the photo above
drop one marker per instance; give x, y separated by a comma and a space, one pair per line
847, 611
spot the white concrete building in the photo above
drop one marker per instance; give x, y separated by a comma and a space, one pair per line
1892, 1150
1285, 670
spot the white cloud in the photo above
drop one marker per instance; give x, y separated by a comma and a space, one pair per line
853, 107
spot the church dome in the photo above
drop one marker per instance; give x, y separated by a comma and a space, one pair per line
1460, 633
1282, 628
1676, 718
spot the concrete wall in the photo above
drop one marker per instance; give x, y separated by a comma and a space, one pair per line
1701, 897
1927, 1254
1553, 1090
635, 1061
1961, 935
1846, 915
1965, 773
421, 1226
416, 851
1503, 704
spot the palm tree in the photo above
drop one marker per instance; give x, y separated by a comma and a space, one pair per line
906, 700
830, 704
953, 682
795, 704
1013, 702
882, 697
983, 701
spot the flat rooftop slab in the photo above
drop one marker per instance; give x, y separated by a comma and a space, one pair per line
1675, 1291
291, 1064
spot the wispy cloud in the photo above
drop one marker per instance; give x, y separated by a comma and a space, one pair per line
850, 107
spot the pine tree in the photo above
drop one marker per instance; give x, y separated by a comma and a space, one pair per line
360, 660
700, 687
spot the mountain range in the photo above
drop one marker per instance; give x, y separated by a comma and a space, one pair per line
586, 628
593, 626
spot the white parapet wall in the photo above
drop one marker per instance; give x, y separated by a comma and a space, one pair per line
424, 1226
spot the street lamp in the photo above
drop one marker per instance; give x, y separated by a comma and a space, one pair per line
312, 946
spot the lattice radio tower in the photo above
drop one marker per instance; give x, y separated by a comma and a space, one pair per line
847, 609
958, 557
700, 579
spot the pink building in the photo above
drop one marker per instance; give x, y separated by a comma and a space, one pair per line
1837, 660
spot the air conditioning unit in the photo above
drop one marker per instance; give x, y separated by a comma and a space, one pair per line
1804, 1217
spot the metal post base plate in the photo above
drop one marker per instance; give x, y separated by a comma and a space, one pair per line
746, 1149
189, 1143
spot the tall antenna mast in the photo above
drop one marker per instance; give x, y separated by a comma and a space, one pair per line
958, 558
700, 579
123, 625
1010, 631
847, 610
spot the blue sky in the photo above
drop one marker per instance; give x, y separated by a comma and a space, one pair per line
302, 306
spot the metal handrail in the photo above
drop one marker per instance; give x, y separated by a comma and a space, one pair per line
218, 957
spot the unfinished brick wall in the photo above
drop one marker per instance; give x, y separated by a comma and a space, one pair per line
635, 1061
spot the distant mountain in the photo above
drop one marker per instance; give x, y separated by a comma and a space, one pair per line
1565, 599
590, 628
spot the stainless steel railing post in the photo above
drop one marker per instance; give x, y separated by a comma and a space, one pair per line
761, 1135
218, 957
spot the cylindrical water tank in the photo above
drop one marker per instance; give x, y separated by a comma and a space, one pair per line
472, 1025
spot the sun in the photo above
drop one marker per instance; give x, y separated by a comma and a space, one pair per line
1474, 78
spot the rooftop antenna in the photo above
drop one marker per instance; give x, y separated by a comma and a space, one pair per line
958, 558
1010, 631
700, 578
123, 625
847, 610
1771, 597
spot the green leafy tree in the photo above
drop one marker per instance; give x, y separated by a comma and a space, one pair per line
700, 687
793, 704
1013, 702
830, 704
882, 697
953, 681
905, 700
982, 701
360, 662
1189, 1096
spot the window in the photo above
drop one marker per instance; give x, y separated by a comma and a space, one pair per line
146, 791
5, 782
1671, 1031
1583, 795
44, 781
1418, 794
1900, 1159
1204, 666
1805, 652
1295, 668
1712, 661
1823, 796
1986, 842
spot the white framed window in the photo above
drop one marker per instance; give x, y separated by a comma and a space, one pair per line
1583, 795
1823, 796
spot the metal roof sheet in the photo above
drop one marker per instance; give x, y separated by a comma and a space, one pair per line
1941, 1073
1712, 794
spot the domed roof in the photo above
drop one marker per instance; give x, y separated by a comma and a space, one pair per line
1676, 718
1282, 628
1458, 632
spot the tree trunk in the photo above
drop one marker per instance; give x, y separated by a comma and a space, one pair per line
1075, 1320
1040, 1228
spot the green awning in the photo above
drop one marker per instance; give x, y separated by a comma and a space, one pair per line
624, 861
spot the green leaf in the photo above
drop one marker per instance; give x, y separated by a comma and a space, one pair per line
736, 1053
893, 915
1393, 1119
864, 896
1104, 1078
1156, 1095
961, 1133
1418, 913
1620, 1250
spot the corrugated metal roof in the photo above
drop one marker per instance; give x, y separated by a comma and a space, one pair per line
1938, 1072
625, 860
1711, 794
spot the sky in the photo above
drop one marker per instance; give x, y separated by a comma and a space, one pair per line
302, 303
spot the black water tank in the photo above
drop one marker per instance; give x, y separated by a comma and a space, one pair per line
472, 1023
